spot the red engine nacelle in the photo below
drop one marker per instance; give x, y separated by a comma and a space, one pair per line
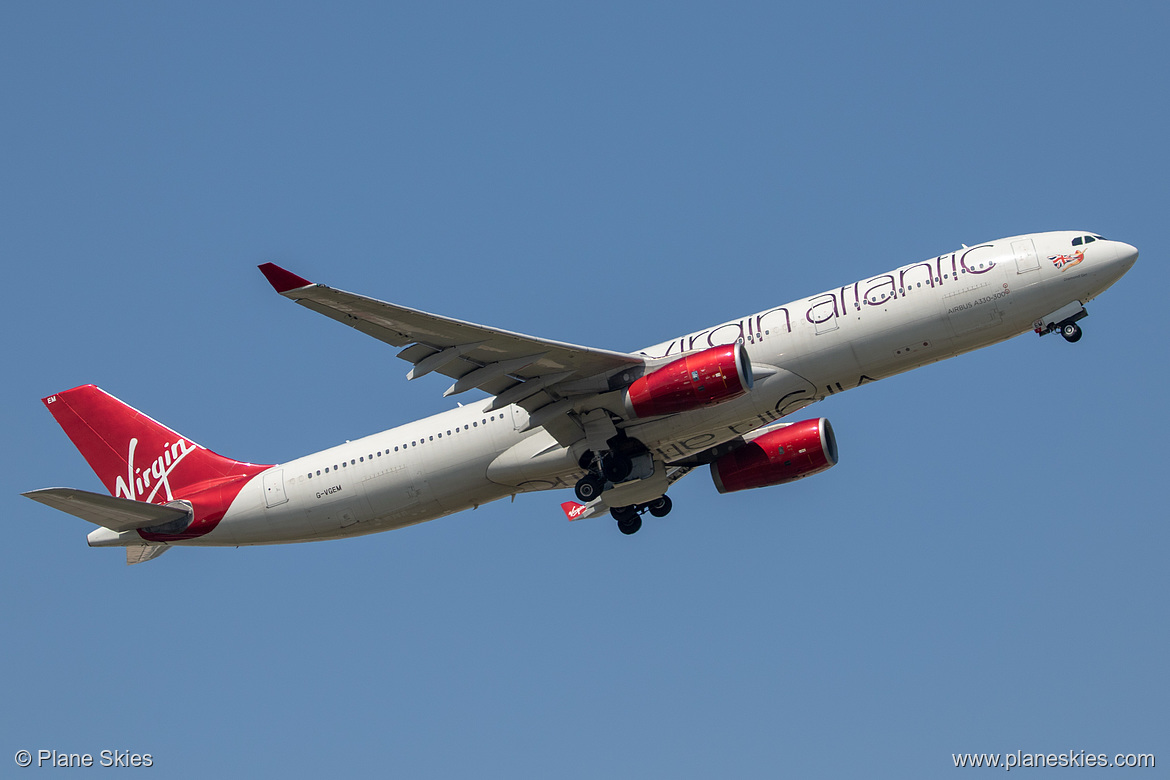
783, 455
709, 377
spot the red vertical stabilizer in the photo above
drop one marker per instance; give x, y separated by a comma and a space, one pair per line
141, 459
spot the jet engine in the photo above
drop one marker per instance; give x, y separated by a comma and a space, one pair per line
709, 377
778, 456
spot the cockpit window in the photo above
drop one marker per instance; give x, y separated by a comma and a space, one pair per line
1078, 240
1087, 239
1100, 238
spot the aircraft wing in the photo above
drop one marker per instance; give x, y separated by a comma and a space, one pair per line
538, 374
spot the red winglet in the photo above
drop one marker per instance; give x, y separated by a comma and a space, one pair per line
573, 510
282, 280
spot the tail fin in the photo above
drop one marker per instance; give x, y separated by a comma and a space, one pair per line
134, 456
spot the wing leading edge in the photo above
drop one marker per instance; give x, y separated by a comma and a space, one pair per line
538, 374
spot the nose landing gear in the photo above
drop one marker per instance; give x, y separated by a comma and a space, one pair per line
1063, 321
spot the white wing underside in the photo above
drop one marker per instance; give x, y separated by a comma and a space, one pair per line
531, 372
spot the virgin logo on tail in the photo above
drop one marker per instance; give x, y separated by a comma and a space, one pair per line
154, 476
573, 510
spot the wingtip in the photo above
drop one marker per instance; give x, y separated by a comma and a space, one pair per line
281, 280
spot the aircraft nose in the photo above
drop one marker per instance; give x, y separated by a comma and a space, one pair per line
1125, 256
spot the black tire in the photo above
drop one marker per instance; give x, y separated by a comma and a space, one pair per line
1071, 332
628, 519
623, 513
660, 507
631, 527
616, 467
588, 488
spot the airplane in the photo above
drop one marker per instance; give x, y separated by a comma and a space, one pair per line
617, 428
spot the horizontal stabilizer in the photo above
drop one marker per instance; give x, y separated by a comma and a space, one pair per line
117, 514
141, 553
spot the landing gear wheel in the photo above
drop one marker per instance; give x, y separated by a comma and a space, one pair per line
660, 507
624, 513
631, 527
628, 519
589, 487
1071, 332
616, 467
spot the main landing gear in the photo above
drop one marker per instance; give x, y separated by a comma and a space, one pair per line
589, 487
612, 466
629, 518
624, 461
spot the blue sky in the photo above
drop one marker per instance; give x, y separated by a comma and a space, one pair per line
985, 571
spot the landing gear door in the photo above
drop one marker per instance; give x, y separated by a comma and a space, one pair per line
1026, 257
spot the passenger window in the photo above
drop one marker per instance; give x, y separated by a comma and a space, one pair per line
319, 472
343, 464
326, 469
310, 475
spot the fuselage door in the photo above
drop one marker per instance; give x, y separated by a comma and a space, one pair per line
274, 487
823, 314
1026, 257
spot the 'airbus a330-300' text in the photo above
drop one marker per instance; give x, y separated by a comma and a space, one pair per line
617, 428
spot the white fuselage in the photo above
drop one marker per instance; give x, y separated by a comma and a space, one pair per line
809, 349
